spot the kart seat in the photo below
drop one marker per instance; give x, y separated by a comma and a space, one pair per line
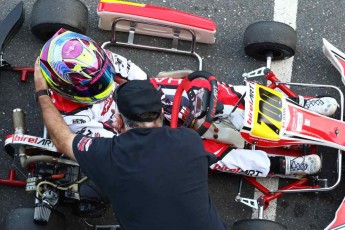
108, 11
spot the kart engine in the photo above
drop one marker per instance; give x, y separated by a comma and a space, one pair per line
56, 180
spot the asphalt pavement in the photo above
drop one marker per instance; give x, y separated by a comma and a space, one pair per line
226, 59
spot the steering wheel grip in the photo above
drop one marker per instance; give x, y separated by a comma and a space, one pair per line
199, 74
186, 86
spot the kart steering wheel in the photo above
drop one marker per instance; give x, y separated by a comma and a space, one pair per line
186, 85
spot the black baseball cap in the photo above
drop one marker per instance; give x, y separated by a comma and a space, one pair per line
137, 97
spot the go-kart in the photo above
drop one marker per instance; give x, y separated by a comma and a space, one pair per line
272, 123
54, 178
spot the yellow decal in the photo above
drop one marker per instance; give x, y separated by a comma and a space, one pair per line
123, 2
268, 109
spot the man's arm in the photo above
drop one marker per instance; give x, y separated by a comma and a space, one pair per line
58, 130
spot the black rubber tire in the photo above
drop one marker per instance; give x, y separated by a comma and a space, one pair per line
22, 218
269, 36
257, 224
48, 16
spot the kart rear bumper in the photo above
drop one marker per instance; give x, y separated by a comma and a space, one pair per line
108, 11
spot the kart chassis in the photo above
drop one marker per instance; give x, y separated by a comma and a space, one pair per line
268, 195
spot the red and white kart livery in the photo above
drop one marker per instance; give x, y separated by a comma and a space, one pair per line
272, 122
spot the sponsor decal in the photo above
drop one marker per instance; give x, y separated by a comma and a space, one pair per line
251, 107
284, 117
85, 131
84, 144
22, 139
168, 81
107, 104
33, 140
252, 173
215, 99
78, 121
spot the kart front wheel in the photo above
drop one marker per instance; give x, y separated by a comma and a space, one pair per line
257, 224
23, 218
48, 16
275, 39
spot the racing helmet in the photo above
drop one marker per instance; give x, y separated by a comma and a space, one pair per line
77, 68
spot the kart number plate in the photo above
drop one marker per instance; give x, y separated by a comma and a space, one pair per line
267, 112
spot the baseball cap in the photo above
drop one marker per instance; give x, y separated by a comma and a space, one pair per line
137, 97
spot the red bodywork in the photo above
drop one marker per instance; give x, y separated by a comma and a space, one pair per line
339, 220
159, 13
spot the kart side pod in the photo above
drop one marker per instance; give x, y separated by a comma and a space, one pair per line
9, 26
111, 10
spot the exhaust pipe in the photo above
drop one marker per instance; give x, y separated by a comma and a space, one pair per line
19, 126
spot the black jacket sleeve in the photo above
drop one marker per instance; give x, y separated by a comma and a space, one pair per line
94, 155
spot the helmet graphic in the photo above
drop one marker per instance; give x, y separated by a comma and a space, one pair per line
77, 68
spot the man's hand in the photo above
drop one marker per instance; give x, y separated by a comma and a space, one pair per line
40, 82
115, 123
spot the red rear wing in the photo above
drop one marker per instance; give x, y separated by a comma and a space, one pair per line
109, 10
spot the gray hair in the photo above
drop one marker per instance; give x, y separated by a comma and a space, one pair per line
130, 124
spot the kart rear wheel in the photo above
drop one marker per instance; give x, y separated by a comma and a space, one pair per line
23, 218
257, 224
48, 16
262, 38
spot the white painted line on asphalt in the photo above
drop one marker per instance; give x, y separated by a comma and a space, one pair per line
286, 12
